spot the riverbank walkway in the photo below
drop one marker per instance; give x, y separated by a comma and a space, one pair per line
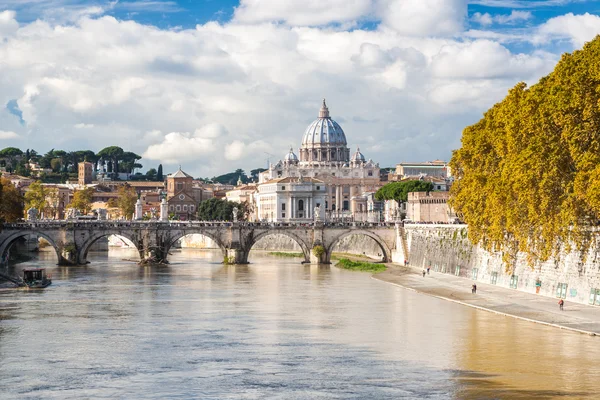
531, 307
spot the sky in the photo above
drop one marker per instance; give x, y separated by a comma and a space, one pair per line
216, 85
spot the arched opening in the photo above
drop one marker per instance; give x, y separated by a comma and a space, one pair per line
359, 244
29, 247
271, 244
195, 245
107, 245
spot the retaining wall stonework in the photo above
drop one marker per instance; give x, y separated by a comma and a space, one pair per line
447, 249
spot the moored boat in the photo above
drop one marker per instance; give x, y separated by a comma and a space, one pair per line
36, 278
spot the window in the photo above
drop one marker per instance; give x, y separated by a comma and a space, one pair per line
178, 208
346, 205
185, 207
370, 173
494, 278
192, 208
283, 188
514, 281
595, 297
474, 273
318, 187
282, 206
457, 270
300, 205
561, 290
171, 208
179, 186
282, 215
326, 204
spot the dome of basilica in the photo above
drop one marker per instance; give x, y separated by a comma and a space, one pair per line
324, 131
291, 157
358, 157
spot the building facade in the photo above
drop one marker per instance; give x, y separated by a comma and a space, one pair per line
180, 196
429, 207
291, 200
325, 156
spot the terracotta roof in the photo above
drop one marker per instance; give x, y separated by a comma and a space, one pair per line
180, 174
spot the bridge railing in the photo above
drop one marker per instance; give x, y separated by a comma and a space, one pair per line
54, 224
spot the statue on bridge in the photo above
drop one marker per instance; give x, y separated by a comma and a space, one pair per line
317, 213
235, 214
32, 214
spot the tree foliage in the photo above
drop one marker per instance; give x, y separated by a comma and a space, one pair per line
399, 190
222, 210
11, 202
528, 173
126, 201
35, 197
82, 200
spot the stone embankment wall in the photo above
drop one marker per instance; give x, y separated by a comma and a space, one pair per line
447, 249
353, 244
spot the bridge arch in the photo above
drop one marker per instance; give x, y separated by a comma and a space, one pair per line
179, 235
10, 240
85, 247
385, 249
255, 238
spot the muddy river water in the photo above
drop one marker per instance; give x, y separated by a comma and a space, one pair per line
272, 329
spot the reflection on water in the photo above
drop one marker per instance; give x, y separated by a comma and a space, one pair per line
275, 328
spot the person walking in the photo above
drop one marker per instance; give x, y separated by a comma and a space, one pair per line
423, 273
428, 268
561, 304
474, 289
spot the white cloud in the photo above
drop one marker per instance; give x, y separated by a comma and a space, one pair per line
302, 12
424, 17
486, 19
8, 135
178, 147
234, 150
576, 28
485, 59
169, 94
8, 23
81, 125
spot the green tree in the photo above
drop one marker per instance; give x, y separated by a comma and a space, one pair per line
11, 154
159, 174
35, 197
399, 190
528, 173
126, 201
11, 202
220, 210
82, 200
113, 154
151, 174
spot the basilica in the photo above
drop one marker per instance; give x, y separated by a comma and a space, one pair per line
324, 161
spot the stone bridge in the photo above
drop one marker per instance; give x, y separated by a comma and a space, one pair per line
73, 239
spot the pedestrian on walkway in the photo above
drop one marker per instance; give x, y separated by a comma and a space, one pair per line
474, 289
561, 303
423, 273
428, 268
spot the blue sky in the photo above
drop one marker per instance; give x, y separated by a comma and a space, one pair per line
161, 78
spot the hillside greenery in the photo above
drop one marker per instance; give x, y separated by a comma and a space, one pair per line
528, 173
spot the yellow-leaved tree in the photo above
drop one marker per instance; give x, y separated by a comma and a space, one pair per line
528, 173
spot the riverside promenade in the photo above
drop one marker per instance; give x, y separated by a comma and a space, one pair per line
540, 309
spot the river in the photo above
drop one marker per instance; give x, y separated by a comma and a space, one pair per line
272, 329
